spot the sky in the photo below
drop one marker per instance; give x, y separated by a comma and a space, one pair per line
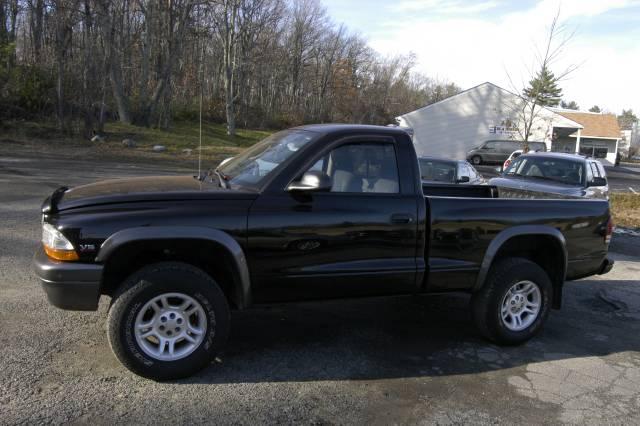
469, 42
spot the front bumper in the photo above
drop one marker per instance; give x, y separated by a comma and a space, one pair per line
69, 285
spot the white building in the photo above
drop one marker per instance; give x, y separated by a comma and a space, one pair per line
453, 126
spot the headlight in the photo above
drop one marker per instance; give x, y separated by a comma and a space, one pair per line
56, 245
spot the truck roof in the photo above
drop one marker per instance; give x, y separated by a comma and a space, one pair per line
351, 128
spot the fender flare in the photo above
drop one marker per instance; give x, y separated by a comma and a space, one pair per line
242, 279
518, 231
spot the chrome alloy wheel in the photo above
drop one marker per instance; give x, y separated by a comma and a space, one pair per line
521, 305
170, 326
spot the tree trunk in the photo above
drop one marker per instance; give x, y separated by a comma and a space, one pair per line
60, 89
37, 32
122, 103
229, 107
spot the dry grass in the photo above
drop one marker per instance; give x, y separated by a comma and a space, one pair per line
216, 145
626, 209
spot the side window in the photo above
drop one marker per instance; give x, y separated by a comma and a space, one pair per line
490, 145
320, 165
589, 174
466, 171
364, 167
594, 169
601, 168
462, 170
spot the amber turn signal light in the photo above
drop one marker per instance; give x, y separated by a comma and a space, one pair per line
57, 254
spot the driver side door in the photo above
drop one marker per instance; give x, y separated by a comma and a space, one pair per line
358, 239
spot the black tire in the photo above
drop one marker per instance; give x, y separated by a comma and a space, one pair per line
486, 304
476, 160
154, 280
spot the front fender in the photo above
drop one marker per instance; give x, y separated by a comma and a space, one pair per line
151, 233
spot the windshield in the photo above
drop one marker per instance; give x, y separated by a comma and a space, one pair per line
253, 166
553, 169
437, 171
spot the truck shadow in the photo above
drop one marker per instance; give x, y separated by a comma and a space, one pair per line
404, 337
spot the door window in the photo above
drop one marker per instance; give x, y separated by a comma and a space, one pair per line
589, 174
437, 171
363, 167
512, 146
463, 170
472, 172
490, 145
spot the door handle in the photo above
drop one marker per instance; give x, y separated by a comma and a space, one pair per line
401, 218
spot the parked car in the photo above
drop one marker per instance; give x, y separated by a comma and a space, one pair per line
513, 156
315, 212
442, 170
497, 151
554, 174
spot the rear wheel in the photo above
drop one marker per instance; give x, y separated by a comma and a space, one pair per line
167, 321
514, 303
476, 159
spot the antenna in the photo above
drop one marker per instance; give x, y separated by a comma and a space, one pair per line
200, 113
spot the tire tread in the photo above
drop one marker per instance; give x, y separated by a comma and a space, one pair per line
125, 294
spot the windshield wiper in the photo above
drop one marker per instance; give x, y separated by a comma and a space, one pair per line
221, 179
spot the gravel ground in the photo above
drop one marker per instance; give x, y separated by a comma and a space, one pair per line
379, 361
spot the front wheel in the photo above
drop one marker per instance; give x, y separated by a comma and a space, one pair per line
514, 303
168, 321
476, 160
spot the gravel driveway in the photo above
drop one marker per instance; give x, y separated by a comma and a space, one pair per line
394, 360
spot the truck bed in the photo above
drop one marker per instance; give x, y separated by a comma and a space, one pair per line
465, 219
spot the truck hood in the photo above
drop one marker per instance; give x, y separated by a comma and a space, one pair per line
152, 188
533, 188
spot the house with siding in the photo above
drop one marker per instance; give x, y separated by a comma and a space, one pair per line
599, 136
452, 127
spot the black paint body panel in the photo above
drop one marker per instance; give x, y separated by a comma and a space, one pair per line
329, 245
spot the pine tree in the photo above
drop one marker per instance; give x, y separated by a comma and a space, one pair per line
627, 119
569, 105
543, 89
595, 108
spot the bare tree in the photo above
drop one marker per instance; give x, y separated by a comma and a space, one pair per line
266, 63
541, 89
65, 14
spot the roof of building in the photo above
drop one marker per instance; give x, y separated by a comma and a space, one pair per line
594, 125
564, 121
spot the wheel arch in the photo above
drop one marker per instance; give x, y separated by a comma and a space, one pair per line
544, 245
212, 250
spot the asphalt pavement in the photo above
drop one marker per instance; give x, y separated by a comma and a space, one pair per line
374, 361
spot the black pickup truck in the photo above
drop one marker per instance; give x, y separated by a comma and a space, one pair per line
315, 212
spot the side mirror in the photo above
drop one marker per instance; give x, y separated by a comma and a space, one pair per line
463, 179
312, 181
598, 181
